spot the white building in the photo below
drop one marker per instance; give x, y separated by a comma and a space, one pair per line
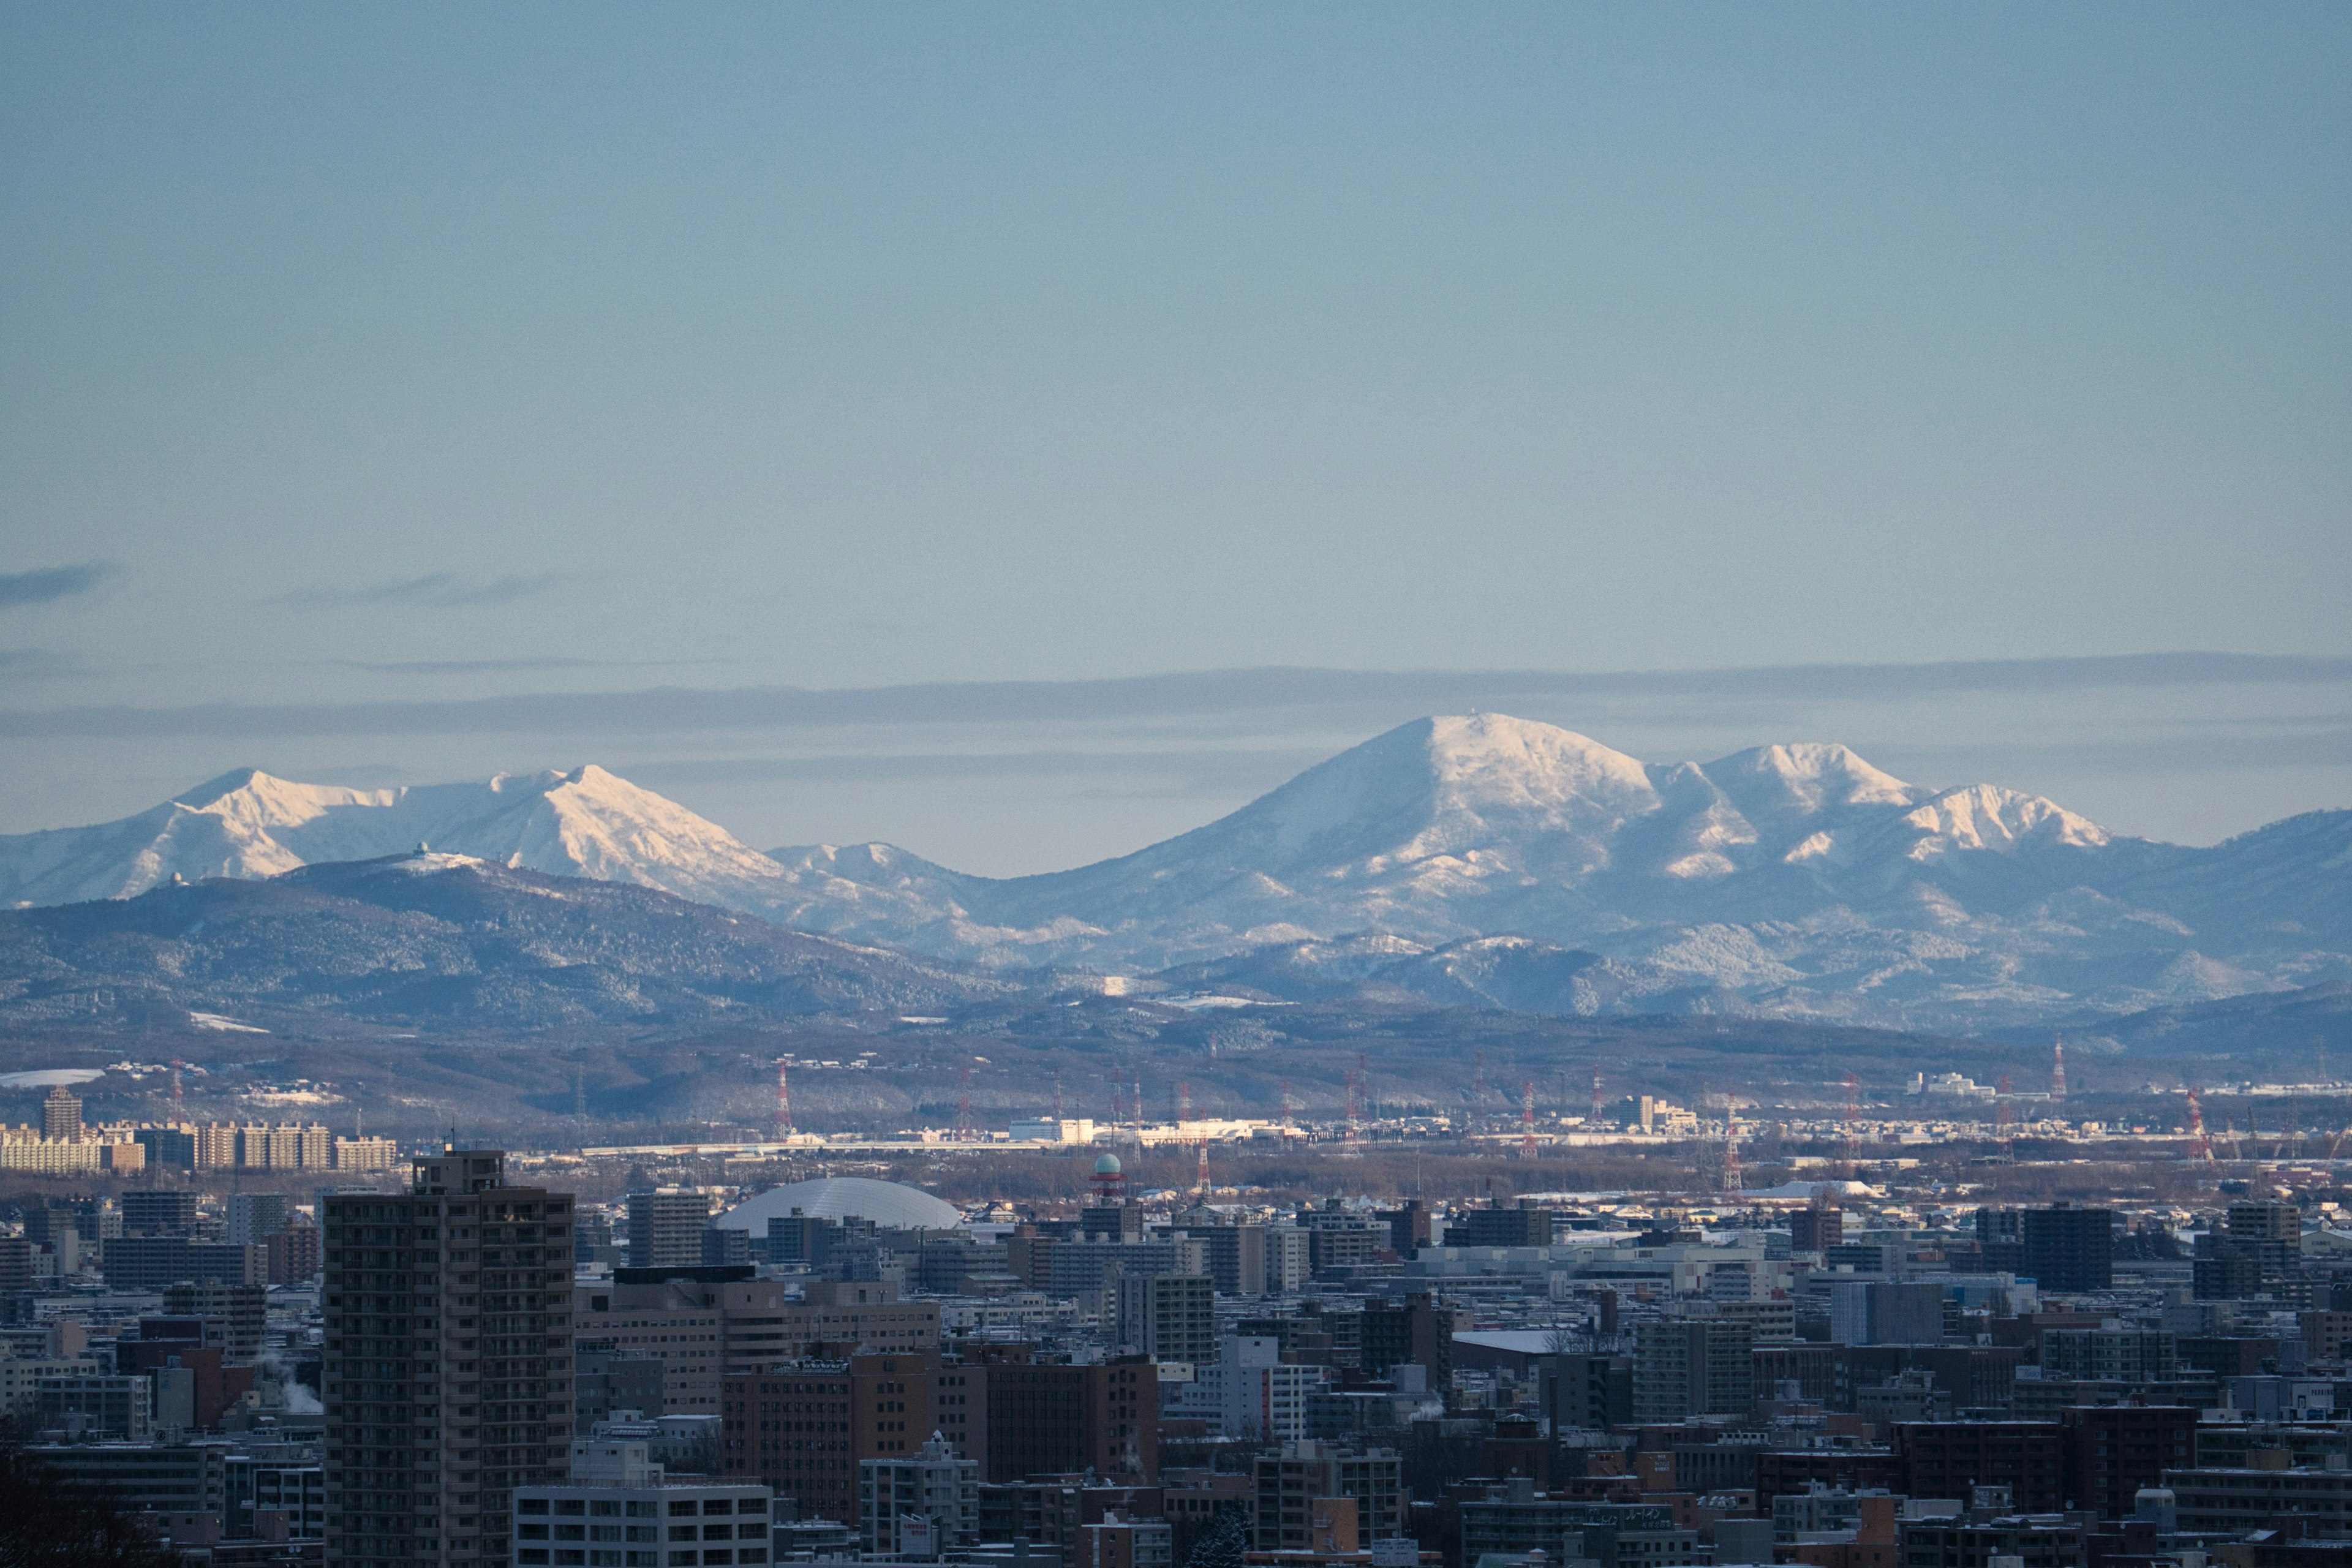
1249, 1390
1047, 1130
921, 1506
620, 1511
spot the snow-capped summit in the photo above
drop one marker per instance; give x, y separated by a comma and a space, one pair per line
1797, 879
585, 822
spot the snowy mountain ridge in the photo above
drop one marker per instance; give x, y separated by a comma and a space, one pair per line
1794, 880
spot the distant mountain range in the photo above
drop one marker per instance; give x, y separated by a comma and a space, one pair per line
1482, 858
445, 941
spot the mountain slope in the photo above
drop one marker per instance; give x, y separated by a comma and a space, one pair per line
446, 940
1796, 880
583, 823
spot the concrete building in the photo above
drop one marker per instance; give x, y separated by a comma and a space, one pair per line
1292, 1477
61, 1115
447, 1362
620, 1507
1019, 1416
1169, 1316
666, 1227
805, 1427
1883, 1312
922, 1504
707, 1323
1685, 1366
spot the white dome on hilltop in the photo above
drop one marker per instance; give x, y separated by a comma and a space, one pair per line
890, 1205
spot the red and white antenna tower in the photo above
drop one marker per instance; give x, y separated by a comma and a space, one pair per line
1478, 1089
1852, 1124
1057, 1097
2058, 1068
1201, 1168
963, 1107
2005, 1119
1528, 1120
2200, 1141
1731, 1182
1597, 1109
179, 1101
1138, 1106
784, 1101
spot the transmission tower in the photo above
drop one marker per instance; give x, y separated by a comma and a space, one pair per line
1528, 1120
2005, 1119
785, 1100
2058, 1069
179, 1101
1732, 1185
1355, 1144
1057, 1100
1853, 1126
1597, 1110
1288, 1112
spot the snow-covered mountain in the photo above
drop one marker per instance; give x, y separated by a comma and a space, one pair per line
584, 822
1793, 881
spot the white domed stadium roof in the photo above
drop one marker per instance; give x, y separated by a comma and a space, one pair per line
890, 1205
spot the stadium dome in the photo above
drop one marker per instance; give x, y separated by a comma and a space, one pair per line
890, 1205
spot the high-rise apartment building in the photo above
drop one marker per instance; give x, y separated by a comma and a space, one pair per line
447, 1362
160, 1213
922, 1504
257, 1216
666, 1227
61, 1114
1693, 1366
2072, 1249
1169, 1316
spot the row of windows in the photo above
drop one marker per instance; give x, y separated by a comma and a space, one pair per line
560, 1557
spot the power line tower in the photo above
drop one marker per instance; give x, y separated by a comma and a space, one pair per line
2004, 1118
2058, 1069
1288, 1112
1200, 1167
1355, 1132
784, 1099
1853, 1126
1057, 1098
1597, 1108
1528, 1120
1731, 1182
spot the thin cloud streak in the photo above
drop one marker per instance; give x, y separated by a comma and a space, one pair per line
47, 584
471, 666
432, 591
680, 710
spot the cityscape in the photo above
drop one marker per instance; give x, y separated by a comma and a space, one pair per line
1036, 786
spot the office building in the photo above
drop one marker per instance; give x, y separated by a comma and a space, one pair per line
1019, 1415
1169, 1316
620, 1507
1252, 1390
106, 1406
666, 1227
152, 1262
923, 1504
704, 1324
804, 1427
448, 1362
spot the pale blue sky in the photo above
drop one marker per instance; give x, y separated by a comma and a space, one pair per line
432, 353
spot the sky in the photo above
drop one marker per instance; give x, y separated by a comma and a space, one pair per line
364, 366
